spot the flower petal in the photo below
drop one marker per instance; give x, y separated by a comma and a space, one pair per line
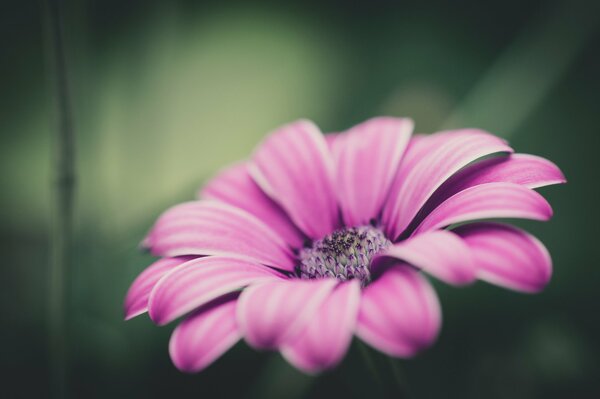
490, 200
136, 301
507, 256
215, 228
440, 253
294, 167
331, 140
427, 164
234, 186
526, 170
205, 335
366, 158
399, 312
326, 338
199, 281
271, 313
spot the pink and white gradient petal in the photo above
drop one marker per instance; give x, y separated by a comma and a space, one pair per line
272, 313
527, 170
136, 300
215, 228
440, 253
427, 165
234, 186
331, 140
366, 158
399, 312
205, 335
507, 256
294, 167
200, 281
487, 201
326, 337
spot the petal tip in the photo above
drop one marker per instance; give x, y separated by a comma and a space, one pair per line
129, 314
155, 312
547, 211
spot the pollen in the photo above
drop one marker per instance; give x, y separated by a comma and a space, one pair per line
345, 254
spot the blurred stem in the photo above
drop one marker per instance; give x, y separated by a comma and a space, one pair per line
64, 187
279, 380
369, 360
386, 374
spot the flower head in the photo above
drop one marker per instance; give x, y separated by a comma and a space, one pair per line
317, 238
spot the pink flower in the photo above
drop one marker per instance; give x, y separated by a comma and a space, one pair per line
318, 238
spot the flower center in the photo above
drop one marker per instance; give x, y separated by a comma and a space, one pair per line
345, 254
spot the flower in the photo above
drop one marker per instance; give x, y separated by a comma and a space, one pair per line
317, 238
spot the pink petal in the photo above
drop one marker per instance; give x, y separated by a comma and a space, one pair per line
327, 336
523, 169
427, 164
367, 157
294, 167
490, 200
215, 228
199, 281
399, 312
234, 186
269, 314
527, 170
440, 253
205, 335
136, 301
331, 139
507, 256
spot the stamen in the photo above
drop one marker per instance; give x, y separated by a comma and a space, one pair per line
344, 254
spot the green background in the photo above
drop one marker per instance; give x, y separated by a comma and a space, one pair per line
166, 93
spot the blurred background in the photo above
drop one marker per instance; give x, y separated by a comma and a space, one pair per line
164, 94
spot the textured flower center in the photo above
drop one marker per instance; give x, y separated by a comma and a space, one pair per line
345, 254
